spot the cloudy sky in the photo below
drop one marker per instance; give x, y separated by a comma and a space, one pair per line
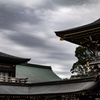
27, 29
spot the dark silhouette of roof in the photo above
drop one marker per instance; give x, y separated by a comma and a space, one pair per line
10, 59
86, 35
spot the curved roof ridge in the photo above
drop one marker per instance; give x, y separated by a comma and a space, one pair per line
97, 21
10, 56
37, 65
78, 28
6, 58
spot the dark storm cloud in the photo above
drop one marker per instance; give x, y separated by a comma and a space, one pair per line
73, 2
27, 40
11, 14
31, 41
14, 14
61, 55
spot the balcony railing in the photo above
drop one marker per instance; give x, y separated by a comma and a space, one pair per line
13, 79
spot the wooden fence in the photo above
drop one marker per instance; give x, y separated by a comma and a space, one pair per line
13, 79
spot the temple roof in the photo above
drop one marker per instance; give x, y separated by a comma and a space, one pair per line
94, 61
10, 59
86, 35
36, 73
46, 88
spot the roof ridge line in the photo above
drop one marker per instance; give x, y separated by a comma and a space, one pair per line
36, 65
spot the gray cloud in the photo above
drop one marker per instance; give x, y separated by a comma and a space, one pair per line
74, 2
28, 40
45, 46
14, 14
61, 56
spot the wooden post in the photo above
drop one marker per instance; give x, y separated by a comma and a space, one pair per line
17, 80
6, 78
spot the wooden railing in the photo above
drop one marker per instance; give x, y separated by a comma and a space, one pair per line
13, 79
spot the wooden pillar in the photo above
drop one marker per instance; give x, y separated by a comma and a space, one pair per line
13, 70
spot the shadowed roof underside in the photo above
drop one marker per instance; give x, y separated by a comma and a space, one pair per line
87, 35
